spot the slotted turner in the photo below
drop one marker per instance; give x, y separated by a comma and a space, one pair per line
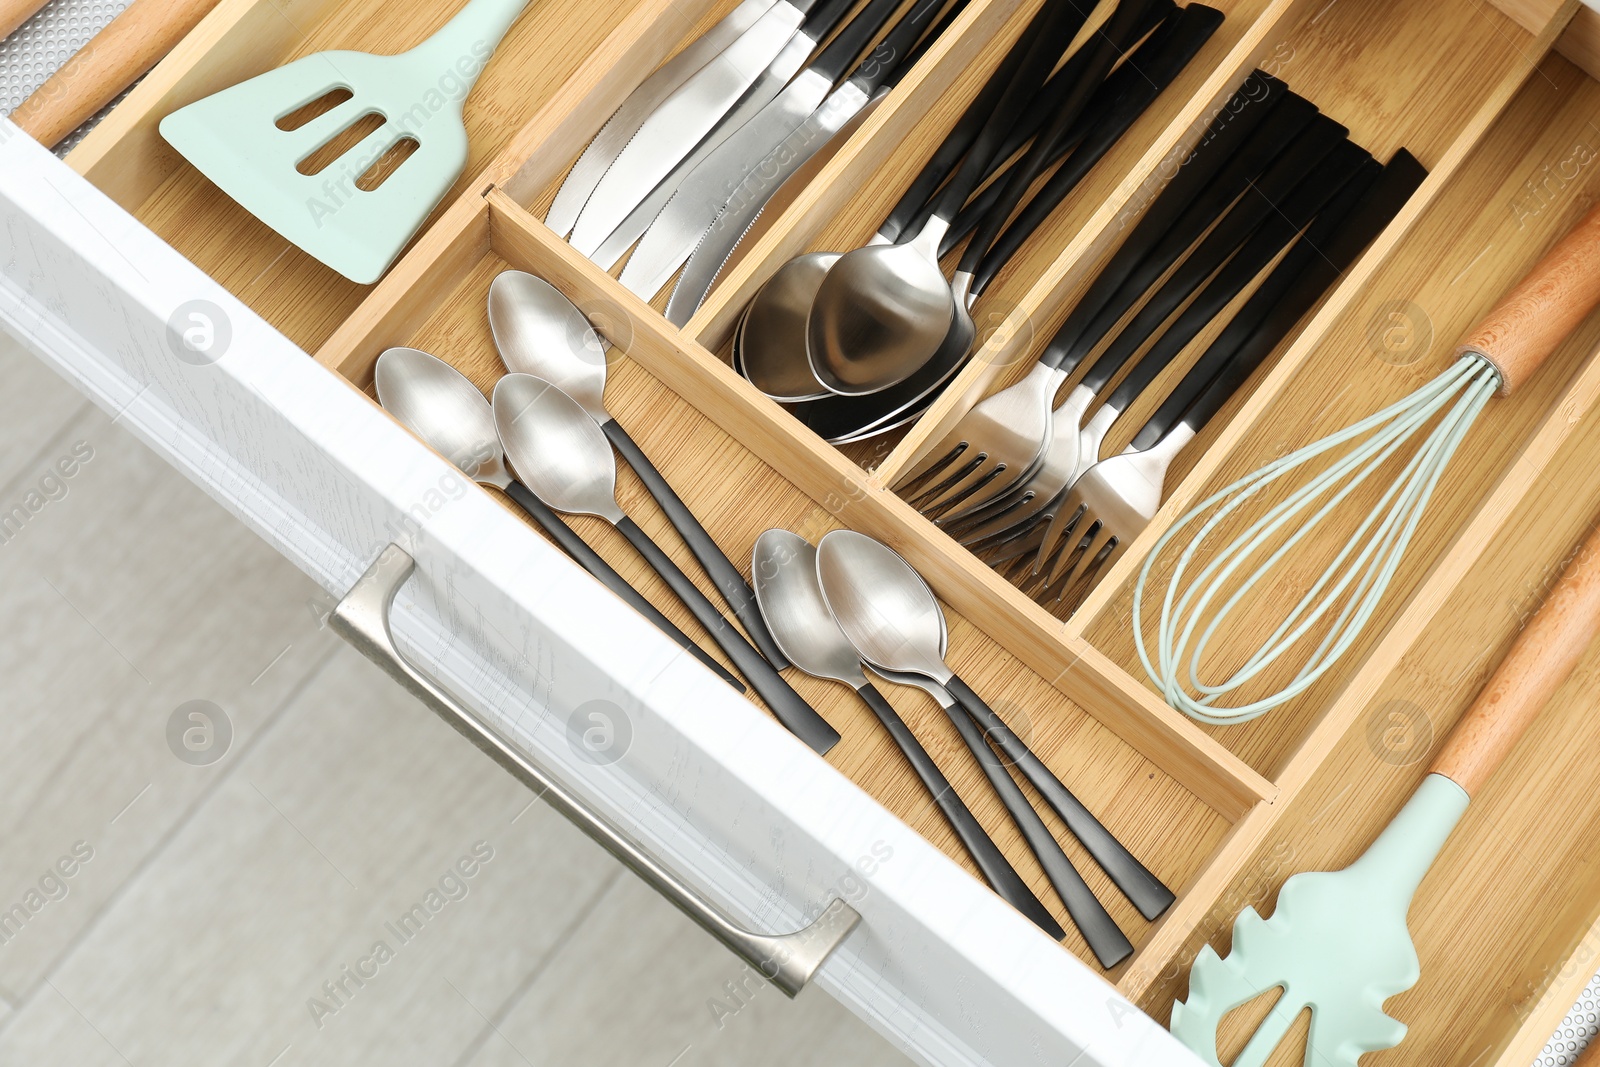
234, 139
1337, 942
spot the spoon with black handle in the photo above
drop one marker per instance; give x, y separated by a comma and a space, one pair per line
537, 330
785, 569
441, 406
559, 452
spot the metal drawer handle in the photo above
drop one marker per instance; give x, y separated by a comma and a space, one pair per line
787, 960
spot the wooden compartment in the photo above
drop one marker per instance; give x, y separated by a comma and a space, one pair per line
1221, 815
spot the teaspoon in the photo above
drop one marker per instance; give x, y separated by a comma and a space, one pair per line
539, 331
441, 405
560, 452
785, 571
894, 620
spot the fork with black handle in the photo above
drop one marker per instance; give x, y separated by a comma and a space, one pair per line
999, 442
1116, 498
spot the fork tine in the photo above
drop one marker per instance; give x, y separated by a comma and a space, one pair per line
1096, 568
931, 466
1012, 546
986, 481
1097, 540
925, 496
1066, 520
1055, 570
1069, 518
1008, 513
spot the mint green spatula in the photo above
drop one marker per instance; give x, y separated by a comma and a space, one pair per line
1337, 942
236, 139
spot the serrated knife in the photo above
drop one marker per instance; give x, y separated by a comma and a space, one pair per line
692, 209
768, 86
626, 120
684, 118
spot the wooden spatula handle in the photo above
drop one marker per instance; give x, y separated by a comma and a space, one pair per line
14, 13
1536, 316
114, 59
1542, 657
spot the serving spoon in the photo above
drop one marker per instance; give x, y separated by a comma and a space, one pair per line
892, 617
562, 455
539, 331
785, 569
439, 404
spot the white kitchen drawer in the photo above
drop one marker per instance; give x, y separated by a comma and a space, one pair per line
721, 794
282, 434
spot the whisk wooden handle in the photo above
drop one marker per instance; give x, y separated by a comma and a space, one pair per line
1542, 657
114, 59
1536, 316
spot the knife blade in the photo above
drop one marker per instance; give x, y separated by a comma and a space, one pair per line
691, 211
766, 89
672, 235
675, 127
626, 120
752, 194
881, 67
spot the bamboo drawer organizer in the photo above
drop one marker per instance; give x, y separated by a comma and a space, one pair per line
1222, 815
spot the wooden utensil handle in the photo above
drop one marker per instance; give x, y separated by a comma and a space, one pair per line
1542, 657
14, 13
1591, 1055
114, 59
1536, 316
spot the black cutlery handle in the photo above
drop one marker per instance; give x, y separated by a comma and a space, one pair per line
1314, 149
840, 54
1106, 939
791, 709
724, 575
917, 202
1234, 127
1346, 225
997, 871
1113, 94
1279, 223
1153, 67
1160, 16
824, 20
1141, 887
1055, 32
884, 61
590, 560
1107, 45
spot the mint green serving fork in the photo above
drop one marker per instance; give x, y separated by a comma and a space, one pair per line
236, 138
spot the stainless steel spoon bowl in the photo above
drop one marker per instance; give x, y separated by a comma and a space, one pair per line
441, 405
562, 454
772, 334
879, 315
556, 448
539, 331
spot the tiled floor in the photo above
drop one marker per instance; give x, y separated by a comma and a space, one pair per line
306, 867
